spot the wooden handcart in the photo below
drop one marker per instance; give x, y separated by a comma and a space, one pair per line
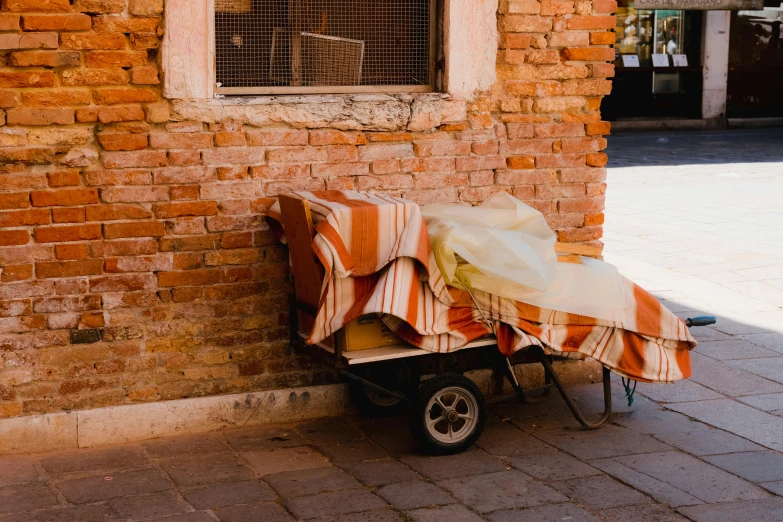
447, 412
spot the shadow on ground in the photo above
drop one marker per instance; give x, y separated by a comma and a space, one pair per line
695, 148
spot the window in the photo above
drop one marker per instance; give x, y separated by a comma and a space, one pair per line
324, 46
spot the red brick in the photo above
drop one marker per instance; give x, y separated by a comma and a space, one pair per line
230, 139
20, 218
560, 160
236, 240
162, 140
581, 205
59, 98
525, 24
277, 137
9, 22
36, 116
28, 41
67, 233
473, 163
189, 277
69, 268
558, 130
134, 194
21, 79
556, 7
172, 210
516, 41
589, 54
134, 159
122, 141
234, 156
539, 57
134, 229
68, 215
86, 41
144, 76
100, 6
64, 22
110, 59
8, 100
124, 96
118, 177
598, 159
599, 128
184, 192
14, 200
441, 148
184, 175
521, 162
336, 137
15, 273
297, 154
68, 197
71, 251
65, 178
119, 24
116, 212
33, 155
95, 77
14, 237
603, 38
591, 22
117, 114
34, 6
129, 247
45, 59
92, 320
605, 6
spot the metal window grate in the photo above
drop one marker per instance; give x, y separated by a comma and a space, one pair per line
300, 46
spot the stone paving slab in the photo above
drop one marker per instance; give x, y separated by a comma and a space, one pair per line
766, 510
504, 490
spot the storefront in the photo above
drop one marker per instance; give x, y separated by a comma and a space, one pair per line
671, 60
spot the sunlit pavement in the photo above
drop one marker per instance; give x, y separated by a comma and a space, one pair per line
696, 219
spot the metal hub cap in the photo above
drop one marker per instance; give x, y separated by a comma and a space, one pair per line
451, 415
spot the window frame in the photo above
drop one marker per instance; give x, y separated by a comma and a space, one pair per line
435, 13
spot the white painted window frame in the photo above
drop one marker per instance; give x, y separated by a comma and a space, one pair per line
188, 53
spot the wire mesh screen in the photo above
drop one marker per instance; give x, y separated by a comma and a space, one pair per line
323, 43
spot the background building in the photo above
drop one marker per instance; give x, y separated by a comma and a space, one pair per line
713, 65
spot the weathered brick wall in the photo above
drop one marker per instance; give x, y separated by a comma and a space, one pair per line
136, 263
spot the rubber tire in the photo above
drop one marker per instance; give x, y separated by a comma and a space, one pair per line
368, 407
417, 416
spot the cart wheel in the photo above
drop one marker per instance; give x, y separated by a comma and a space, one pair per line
448, 415
399, 377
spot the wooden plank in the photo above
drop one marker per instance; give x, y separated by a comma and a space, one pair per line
569, 258
582, 250
305, 267
388, 353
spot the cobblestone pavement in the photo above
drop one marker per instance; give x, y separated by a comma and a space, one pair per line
697, 220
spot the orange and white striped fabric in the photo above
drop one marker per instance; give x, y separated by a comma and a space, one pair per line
376, 252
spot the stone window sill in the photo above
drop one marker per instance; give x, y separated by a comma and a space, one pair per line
417, 112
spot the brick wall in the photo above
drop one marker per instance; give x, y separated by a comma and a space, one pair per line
136, 263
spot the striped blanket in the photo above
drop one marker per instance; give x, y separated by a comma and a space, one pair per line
376, 252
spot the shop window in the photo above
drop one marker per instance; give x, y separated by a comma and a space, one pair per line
324, 46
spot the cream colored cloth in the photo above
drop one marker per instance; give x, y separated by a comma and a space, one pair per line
506, 248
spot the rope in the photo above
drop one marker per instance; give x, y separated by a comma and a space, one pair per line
628, 390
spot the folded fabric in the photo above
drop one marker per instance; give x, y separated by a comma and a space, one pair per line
376, 253
505, 247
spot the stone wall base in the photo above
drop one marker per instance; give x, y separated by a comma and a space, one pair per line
138, 422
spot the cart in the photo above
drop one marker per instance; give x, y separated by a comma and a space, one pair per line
447, 412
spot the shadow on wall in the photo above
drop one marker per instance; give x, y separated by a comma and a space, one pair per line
694, 148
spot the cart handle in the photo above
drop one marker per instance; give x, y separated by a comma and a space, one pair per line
704, 320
